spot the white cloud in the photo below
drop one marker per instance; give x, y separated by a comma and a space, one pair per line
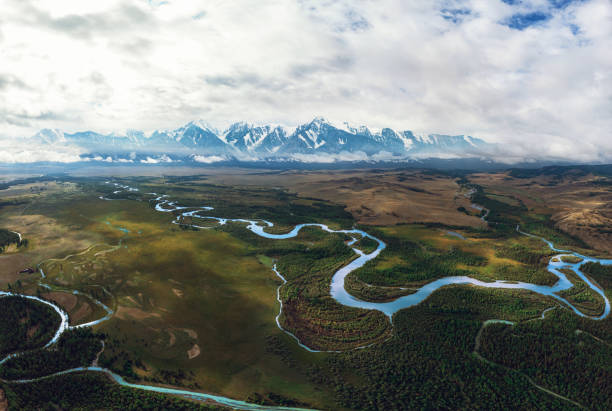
156, 160
345, 156
29, 150
207, 159
543, 91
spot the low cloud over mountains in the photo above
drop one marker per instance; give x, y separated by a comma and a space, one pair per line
318, 141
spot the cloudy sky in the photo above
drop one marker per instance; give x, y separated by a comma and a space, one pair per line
535, 75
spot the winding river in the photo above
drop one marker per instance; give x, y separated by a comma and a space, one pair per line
337, 290
339, 293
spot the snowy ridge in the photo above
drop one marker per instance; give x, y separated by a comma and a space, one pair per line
318, 140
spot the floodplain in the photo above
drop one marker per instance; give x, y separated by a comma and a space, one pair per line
195, 308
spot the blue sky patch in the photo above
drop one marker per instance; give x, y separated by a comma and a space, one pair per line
521, 21
455, 15
555, 4
199, 15
561, 4
574, 28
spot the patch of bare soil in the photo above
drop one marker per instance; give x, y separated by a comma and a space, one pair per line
3, 401
132, 300
191, 333
125, 313
193, 351
32, 330
172, 338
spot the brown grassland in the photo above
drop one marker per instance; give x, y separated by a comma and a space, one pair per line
376, 197
577, 203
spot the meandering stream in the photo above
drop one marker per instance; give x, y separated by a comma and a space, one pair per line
339, 293
337, 290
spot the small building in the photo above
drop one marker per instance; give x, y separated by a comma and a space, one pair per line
28, 270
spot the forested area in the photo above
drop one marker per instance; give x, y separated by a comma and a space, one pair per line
30, 180
503, 215
601, 273
534, 275
90, 391
75, 348
545, 227
564, 353
7, 238
582, 296
535, 256
428, 364
420, 262
308, 309
561, 171
25, 324
366, 244
369, 292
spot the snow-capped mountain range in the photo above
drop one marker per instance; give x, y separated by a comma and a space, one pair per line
316, 141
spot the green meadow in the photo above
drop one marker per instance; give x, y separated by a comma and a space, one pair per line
193, 308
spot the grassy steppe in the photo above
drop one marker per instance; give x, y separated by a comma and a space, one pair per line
181, 294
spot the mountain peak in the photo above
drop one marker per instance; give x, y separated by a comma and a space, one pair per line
50, 135
319, 121
239, 125
317, 139
204, 125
